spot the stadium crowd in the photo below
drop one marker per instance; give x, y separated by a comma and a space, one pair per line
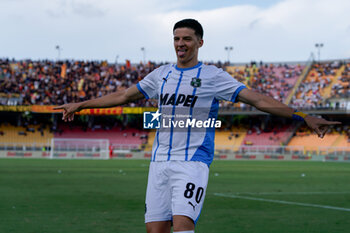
54, 83
274, 80
341, 88
269, 79
310, 93
28, 82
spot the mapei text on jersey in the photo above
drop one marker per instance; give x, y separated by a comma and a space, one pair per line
186, 100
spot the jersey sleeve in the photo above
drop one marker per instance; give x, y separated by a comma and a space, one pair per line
148, 86
227, 88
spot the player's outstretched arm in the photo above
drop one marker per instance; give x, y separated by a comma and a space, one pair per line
270, 105
111, 100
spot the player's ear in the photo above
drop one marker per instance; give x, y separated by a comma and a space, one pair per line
201, 42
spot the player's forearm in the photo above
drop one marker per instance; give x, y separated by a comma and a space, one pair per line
267, 104
111, 100
272, 106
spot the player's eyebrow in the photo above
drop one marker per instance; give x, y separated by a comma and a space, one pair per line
185, 37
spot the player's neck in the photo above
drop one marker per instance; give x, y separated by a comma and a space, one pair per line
188, 64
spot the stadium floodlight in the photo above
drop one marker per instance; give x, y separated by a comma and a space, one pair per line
228, 49
319, 46
116, 60
59, 49
144, 54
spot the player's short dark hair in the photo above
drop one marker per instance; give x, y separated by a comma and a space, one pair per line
190, 23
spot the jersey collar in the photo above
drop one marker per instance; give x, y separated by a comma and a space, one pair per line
189, 68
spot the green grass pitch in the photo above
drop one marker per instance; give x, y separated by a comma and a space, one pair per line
71, 196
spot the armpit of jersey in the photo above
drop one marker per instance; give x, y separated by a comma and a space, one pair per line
227, 88
149, 85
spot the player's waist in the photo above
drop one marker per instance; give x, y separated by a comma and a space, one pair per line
171, 157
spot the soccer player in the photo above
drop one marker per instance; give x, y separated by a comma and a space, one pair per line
179, 168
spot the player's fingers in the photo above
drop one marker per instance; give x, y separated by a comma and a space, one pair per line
319, 133
66, 116
332, 123
323, 130
71, 117
59, 107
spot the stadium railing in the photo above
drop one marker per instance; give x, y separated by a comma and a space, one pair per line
102, 150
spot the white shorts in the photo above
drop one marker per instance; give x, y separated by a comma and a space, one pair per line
175, 188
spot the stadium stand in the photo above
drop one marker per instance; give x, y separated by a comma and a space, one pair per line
326, 92
119, 138
311, 142
344, 141
45, 82
275, 137
340, 89
273, 80
336, 137
314, 90
28, 82
30, 135
54, 83
229, 139
238, 72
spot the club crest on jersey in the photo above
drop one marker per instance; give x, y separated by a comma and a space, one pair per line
196, 82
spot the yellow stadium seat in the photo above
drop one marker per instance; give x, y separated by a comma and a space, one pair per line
19, 135
312, 142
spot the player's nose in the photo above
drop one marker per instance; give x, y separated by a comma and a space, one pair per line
180, 42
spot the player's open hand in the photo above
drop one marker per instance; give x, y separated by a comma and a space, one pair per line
68, 110
319, 125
